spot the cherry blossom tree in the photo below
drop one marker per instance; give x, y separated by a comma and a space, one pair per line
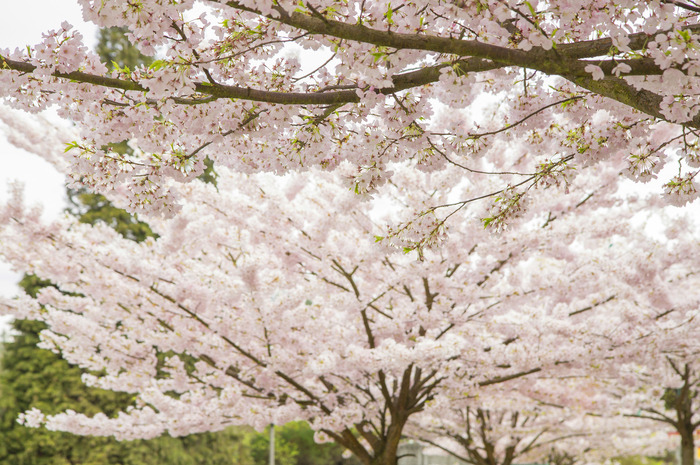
539, 420
662, 385
264, 300
508, 428
653, 344
647, 375
359, 86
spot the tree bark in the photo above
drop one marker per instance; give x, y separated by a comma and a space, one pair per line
687, 448
684, 414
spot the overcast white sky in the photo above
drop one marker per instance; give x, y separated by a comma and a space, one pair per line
21, 24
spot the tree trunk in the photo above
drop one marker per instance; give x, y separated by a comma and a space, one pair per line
388, 455
387, 458
687, 447
684, 412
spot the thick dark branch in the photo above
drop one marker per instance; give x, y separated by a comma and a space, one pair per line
618, 89
429, 296
685, 6
385, 38
639, 66
591, 307
401, 82
360, 33
404, 398
386, 393
217, 91
650, 415
563, 61
601, 47
612, 87
369, 436
350, 442
368, 329
502, 379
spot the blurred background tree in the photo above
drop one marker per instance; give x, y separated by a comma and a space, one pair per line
294, 445
114, 49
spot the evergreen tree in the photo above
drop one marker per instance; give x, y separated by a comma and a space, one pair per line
116, 50
32, 377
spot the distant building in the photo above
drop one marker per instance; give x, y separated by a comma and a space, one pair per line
415, 453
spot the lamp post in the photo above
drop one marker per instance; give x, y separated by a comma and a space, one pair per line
272, 444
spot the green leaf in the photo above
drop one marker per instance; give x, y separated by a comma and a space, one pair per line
124, 70
389, 13
158, 64
378, 56
70, 146
532, 10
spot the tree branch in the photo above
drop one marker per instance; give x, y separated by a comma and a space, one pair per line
563, 61
502, 379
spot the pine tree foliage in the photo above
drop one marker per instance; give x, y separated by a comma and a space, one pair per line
117, 51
